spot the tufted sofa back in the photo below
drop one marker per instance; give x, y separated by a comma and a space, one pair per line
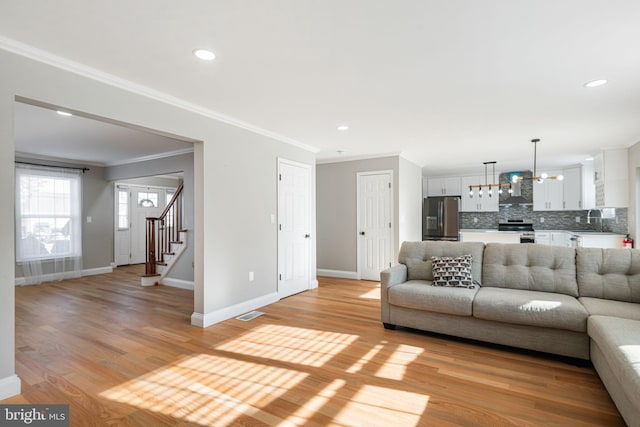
609, 273
530, 267
417, 257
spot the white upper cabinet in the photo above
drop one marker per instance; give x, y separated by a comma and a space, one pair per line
572, 190
443, 186
549, 194
611, 178
477, 203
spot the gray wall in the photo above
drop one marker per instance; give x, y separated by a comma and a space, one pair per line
336, 210
183, 269
235, 188
97, 202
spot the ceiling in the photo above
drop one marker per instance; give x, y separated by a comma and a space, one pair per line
447, 84
42, 132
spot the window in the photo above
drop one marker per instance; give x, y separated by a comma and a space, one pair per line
48, 213
147, 200
123, 209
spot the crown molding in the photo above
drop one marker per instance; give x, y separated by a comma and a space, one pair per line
150, 157
28, 51
71, 162
356, 158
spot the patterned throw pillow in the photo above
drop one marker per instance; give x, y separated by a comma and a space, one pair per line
450, 271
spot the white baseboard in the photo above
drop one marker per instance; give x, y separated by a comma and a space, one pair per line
9, 386
338, 273
208, 319
177, 283
99, 270
19, 281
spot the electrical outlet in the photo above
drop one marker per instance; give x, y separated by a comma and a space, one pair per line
577, 219
475, 219
541, 219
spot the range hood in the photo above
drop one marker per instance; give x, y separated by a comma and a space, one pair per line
522, 191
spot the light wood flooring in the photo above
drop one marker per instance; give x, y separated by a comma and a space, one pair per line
121, 354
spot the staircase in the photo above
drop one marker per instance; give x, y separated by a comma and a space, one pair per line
166, 240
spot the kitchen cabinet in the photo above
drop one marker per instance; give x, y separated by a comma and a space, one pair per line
598, 240
477, 203
549, 194
572, 189
553, 238
610, 171
588, 186
490, 236
443, 186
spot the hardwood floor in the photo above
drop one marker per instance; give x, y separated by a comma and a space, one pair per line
121, 354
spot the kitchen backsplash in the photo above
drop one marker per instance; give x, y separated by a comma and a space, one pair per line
553, 220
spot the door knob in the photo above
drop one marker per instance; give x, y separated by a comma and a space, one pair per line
362, 233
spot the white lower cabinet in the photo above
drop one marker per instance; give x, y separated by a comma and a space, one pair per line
552, 238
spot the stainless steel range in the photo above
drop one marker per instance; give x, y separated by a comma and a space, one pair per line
524, 226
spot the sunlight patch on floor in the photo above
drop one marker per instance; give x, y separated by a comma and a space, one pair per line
209, 390
400, 408
372, 294
395, 366
307, 347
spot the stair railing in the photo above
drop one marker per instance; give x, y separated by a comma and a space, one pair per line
162, 232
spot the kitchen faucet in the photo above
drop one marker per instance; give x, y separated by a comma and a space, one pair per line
596, 217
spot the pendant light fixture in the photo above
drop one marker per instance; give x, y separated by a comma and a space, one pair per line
543, 175
516, 178
489, 186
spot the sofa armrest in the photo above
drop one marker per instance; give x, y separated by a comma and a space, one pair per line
393, 276
390, 277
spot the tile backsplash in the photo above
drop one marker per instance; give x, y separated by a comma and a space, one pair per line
546, 220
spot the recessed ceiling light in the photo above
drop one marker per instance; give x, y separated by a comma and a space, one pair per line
589, 159
595, 83
343, 127
204, 54
64, 113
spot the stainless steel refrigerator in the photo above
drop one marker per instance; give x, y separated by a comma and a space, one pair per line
440, 218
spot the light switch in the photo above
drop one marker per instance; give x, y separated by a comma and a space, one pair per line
89, 219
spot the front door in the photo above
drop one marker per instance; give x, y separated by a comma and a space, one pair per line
294, 222
375, 232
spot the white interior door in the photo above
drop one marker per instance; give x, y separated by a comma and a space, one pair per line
294, 221
375, 232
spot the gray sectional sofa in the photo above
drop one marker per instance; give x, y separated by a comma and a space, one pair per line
582, 303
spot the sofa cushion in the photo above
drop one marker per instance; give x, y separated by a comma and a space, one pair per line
530, 267
452, 271
609, 273
532, 308
422, 295
417, 257
619, 340
606, 307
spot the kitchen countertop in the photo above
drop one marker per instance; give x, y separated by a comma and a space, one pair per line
575, 233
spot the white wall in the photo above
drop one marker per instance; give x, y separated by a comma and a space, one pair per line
234, 187
409, 202
634, 190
